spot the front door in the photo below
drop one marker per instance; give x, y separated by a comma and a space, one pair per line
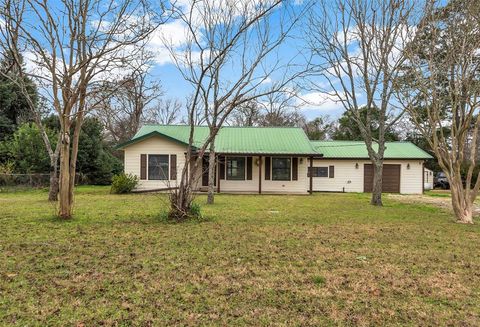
205, 172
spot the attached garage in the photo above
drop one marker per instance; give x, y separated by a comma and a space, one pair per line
391, 178
402, 168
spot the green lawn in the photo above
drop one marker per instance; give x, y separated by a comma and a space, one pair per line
325, 259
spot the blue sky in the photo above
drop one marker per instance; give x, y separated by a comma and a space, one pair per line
174, 86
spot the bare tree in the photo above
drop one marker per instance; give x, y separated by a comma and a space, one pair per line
225, 61
320, 128
441, 90
247, 114
72, 44
164, 111
356, 49
121, 104
282, 109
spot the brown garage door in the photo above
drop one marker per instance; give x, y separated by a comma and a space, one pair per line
391, 178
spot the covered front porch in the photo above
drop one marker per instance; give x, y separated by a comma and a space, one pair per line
254, 173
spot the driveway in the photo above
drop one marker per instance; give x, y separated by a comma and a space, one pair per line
440, 201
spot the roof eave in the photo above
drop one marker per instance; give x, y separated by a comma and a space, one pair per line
270, 154
367, 158
123, 145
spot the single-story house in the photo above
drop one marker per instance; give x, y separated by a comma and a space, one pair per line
269, 160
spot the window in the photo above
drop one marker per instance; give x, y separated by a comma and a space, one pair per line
281, 168
318, 171
236, 168
158, 166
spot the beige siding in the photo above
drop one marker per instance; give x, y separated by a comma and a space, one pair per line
268, 186
350, 179
347, 177
250, 186
153, 145
299, 186
159, 145
411, 180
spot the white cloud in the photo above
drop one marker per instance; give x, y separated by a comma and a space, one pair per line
320, 101
176, 34
267, 80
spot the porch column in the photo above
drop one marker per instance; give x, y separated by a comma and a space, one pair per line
259, 174
217, 165
311, 176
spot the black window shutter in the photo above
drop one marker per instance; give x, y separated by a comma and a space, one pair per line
294, 169
221, 162
267, 168
331, 171
249, 168
143, 166
173, 167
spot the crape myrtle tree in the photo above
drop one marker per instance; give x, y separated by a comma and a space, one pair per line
440, 89
225, 60
72, 45
356, 55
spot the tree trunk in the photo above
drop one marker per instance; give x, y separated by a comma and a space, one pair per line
211, 174
181, 199
53, 190
462, 206
65, 204
74, 155
377, 183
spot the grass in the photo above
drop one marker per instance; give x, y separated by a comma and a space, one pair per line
438, 193
326, 259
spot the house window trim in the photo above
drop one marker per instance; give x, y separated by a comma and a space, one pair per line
271, 169
148, 167
244, 169
328, 171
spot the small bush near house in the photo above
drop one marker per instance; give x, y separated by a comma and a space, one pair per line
194, 214
123, 183
195, 210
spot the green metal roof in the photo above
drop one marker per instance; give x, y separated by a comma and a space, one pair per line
248, 140
358, 150
275, 140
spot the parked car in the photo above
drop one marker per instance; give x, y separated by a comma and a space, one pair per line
441, 181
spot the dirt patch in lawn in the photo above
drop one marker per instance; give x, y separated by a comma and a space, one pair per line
444, 203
